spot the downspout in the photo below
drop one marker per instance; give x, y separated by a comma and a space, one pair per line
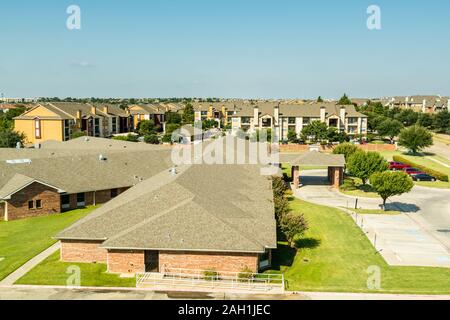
6, 210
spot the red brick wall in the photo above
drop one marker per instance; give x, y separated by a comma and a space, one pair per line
101, 197
83, 251
230, 262
365, 147
18, 204
126, 261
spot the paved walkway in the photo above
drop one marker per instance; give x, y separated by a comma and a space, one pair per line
16, 275
63, 293
418, 237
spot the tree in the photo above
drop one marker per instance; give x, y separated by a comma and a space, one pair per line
293, 225
173, 117
344, 100
188, 114
151, 139
292, 136
347, 149
333, 135
319, 99
442, 121
364, 164
415, 138
315, 131
391, 183
77, 134
9, 138
146, 127
408, 117
209, 123
390, 128
425, 120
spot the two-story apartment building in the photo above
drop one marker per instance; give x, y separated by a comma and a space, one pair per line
148, 112
424, 104
58, 121
294, 117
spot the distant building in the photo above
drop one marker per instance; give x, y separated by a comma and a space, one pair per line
424, 104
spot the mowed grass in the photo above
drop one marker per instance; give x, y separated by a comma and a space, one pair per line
336, 256
354, 187
53, 272
21, 240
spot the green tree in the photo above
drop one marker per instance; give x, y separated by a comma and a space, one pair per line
415, 138
77, 134
173, 117
425, 120
293, 225
442, 121
347, 149
390, 128
333, 135
188, 114
319, 99
9, 138
292, 136
146, 127
344, 100
408, 117
391, 183
364, 164
315, 131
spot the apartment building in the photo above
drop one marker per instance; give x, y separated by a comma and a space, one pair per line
424, 104
294, 117
153, 112
58, 121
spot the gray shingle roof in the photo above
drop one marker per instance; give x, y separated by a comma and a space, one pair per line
202, 208
314, 158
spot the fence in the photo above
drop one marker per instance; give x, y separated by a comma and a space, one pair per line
261, 282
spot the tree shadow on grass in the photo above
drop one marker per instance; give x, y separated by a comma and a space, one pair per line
307, 243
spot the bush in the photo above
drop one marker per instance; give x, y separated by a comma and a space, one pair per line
9, 139
438, 175
151, 139
210, 274
245, 274
129, 138
293, 225
363, 164
78, 134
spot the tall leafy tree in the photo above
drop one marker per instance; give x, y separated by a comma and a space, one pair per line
347, 149
9, 138
390, 128
344, 100
364, 164
391, 183
188, 114
315, 131
425, 120
415, 138
319, 99
442, 121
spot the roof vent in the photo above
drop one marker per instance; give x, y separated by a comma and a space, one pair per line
18, 161
86, 139
18, 145
102, 158
173, 171
37, 145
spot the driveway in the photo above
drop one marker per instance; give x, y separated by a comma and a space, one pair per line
418, 237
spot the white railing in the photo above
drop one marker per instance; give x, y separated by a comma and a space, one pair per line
214, 280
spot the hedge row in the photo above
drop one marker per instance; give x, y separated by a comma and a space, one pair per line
438, 175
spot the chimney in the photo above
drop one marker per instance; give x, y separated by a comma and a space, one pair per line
105, 109
323, 113
276, 115
424, 106
93, 110
79, 115
342, 114
256, 117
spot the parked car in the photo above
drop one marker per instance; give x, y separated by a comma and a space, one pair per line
413, 171
398, 166
423, 177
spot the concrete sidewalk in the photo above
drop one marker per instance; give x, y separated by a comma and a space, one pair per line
30, 264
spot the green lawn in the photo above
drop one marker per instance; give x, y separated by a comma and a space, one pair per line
21, 240
378, 211
353, 187
53, 272
336, 255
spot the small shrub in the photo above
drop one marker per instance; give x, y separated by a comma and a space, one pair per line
293, 225
437, 174
77, 134
151, 139
210, 274
245, 275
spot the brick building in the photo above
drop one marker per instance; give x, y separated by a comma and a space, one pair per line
63, 176
204, 217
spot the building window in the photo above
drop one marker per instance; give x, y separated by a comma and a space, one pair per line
266, 123
245, 120
306, 121
97, 127
114, 125
37, 128
30, 205
114, 193
65, 201
81, 200
291, 120
38, 204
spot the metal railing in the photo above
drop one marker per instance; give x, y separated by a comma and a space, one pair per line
210, 279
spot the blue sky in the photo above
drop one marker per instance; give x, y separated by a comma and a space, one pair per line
218, 48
